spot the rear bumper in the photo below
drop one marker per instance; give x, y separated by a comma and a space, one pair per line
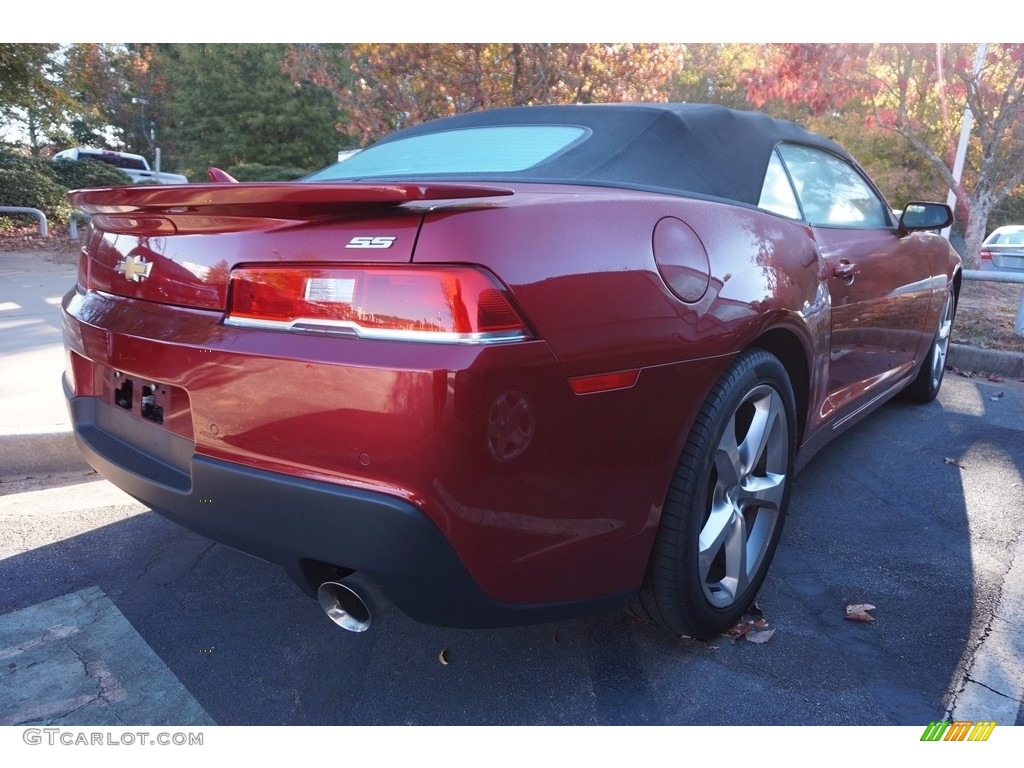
303, 525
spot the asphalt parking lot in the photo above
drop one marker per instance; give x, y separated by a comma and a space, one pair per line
916, 511
109, 614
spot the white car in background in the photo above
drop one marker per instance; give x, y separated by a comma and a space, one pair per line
1004, 248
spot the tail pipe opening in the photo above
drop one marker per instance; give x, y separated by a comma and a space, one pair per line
353, 602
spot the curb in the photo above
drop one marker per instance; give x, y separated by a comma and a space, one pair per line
39, 453
1008, 364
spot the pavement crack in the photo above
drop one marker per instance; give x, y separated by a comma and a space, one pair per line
166, 567
990, 688
201, 555
110, 689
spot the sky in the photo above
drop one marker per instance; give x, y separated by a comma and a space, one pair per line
521, 20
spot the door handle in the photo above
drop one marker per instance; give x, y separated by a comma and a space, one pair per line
845, 271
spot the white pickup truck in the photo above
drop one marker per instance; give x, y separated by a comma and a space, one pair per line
134, 166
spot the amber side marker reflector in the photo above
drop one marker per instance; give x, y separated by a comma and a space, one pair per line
604, 382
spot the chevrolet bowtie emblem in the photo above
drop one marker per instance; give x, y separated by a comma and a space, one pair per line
134, 268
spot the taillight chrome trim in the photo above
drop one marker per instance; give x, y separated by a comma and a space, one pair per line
346, 328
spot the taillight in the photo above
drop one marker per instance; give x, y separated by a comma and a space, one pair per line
434, 304
986, 254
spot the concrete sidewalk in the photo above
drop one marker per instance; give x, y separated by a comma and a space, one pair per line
35, 432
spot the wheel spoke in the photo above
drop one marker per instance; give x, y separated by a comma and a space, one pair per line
728, 461
715, 533
767, 410
764, 492
723, 544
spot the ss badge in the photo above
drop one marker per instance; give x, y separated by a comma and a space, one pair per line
371, 242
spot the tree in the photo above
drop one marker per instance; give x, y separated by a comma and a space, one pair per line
56, 96
31, 96
22, 67
385, 87
712, 73
225, 104
918, 91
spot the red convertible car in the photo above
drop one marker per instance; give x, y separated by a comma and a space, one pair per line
507, 366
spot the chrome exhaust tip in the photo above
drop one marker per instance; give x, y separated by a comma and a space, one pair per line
351, 603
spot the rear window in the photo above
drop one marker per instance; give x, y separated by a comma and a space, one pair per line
1009, 238
490, 149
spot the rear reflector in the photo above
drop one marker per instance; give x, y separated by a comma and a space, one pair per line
454, 305
603, 382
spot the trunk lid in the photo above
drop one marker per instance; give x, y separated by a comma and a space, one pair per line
178, 245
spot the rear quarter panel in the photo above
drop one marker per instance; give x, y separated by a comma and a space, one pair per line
582, 267
581, 264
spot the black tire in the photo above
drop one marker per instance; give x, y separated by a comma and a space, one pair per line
732, 480
925, 387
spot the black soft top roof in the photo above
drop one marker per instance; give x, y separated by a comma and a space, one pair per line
686, 148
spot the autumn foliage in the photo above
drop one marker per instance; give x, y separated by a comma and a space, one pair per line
388, 86
918, 91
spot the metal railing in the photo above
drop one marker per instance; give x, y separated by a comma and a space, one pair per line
16, 209
73, 220
1002, 276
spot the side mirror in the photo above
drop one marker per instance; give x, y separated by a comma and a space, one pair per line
922, 216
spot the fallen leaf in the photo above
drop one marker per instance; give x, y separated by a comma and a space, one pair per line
760, 637
997, 396
955, 463
859, 612
738, 631
996, 378
752, 621
443, 656
965, 374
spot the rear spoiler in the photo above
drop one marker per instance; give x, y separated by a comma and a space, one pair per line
274, 200
219, 176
